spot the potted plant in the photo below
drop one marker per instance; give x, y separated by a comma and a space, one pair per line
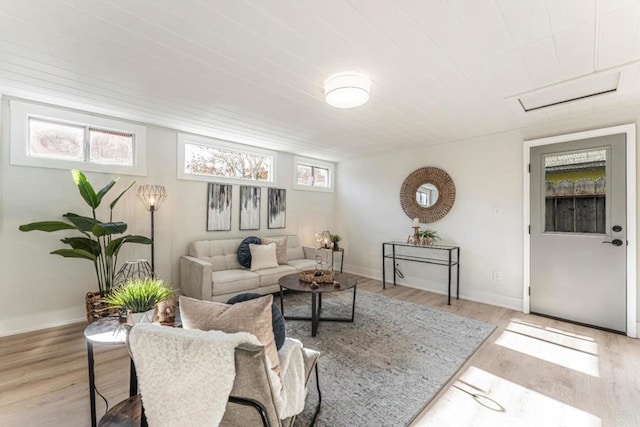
98, 241
138, 298
428, 237
335, 238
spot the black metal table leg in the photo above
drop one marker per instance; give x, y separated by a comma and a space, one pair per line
393, 247
449, 282
384, 283
319, 304
92, 383
353, 306
314, 315
133, 379
458, 274
282, 300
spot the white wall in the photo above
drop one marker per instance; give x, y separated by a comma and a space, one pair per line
487, 173
40, 290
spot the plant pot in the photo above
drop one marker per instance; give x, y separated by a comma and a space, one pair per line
96, 307
335, 246
143, 317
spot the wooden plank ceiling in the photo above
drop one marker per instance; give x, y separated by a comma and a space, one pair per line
252, 71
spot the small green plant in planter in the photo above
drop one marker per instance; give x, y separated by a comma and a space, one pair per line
139, 296
335, 238
428, 237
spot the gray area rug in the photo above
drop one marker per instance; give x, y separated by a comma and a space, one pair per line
385, 367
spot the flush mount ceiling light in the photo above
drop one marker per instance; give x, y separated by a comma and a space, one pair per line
347, 90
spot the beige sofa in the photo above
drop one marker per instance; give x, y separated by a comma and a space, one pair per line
211, 271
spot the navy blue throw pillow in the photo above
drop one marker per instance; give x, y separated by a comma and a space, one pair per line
244, 254
279, 331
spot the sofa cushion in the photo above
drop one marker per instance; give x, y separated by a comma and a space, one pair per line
281, 247
227, 281
263, 256
270, 276
294, 248
221, 254
279, 331
252, 316
303, 264
244, 253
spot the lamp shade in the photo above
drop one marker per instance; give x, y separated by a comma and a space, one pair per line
347, 90
151, 196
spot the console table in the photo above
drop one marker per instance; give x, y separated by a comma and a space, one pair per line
431, 254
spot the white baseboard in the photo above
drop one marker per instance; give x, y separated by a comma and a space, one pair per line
512, 303
43, 320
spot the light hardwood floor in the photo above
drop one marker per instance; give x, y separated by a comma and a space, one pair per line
530, 371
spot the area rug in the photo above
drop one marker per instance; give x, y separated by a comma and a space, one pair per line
385, 367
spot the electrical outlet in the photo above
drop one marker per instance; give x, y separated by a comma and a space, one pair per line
497, 275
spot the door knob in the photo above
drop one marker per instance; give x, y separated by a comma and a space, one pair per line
614, 242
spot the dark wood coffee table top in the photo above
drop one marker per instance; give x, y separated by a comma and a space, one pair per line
293, 282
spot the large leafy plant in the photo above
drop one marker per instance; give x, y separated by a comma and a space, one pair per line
99, 242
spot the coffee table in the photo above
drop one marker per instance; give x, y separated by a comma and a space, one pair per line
293, 283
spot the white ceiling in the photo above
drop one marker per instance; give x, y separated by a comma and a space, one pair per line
252, 71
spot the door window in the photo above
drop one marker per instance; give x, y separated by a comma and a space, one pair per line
575, 187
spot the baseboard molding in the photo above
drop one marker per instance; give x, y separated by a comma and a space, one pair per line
503, 301
44, 320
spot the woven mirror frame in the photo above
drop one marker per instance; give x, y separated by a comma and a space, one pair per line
446, 194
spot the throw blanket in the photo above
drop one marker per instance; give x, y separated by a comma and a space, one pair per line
290, 401
185, 376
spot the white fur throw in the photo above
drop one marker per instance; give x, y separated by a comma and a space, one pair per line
185, 376
290, 401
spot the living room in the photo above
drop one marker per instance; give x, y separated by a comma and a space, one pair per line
441, 104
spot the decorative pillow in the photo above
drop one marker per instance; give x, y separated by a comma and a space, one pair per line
244, 254
263, 256
252, 316
281, 248
279, 331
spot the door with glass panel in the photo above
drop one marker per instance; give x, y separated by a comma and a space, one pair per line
578, 231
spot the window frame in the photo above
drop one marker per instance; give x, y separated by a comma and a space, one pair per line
308, 161
22, 111
184, 139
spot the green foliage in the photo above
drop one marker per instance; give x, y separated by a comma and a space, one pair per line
139, 295
430, 234
96, 243
335, 238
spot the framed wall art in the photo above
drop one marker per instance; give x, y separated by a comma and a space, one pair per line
219, 207
249, 207
277, 208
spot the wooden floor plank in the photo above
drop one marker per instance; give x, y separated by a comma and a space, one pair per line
530, 370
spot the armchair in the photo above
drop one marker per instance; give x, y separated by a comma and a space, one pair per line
250, 403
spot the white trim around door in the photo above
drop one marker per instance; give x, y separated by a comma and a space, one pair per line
632, 286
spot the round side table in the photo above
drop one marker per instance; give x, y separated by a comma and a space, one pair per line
107, 331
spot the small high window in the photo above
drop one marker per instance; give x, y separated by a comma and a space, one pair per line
45, 136
203, 158
313, 174
50, 139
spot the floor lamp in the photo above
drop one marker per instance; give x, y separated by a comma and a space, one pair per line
151, 197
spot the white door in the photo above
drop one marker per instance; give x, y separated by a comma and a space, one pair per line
579, 231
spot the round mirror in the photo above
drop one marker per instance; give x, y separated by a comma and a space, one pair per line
427, 194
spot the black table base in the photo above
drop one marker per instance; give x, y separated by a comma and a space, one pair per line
316, 308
